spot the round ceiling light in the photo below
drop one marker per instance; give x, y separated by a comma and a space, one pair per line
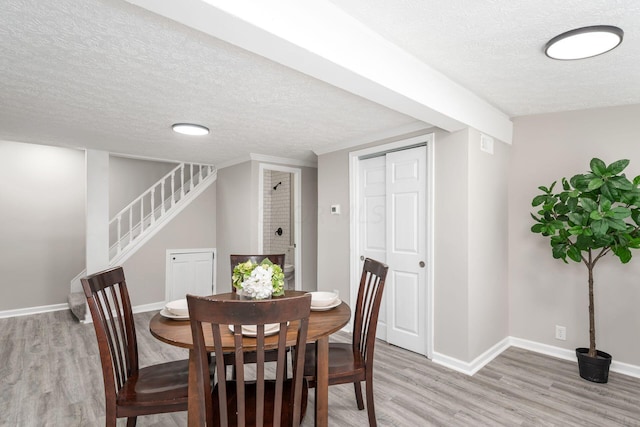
584, 42
190, 129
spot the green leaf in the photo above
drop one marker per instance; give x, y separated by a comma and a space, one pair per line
581, 182
538, 200
565, 184
616, 224
595, 183
574, 253
599, 228
605, 204
576, 230
584, 241
537, 228
575, 218
608, 191
623, 253
620, 212
598, 167
561, 209
621, 183
618, 166
559, 251
588, 204
595, 215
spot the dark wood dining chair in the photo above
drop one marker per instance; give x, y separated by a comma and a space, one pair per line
259, 402
129, 390
235, 259
353, 362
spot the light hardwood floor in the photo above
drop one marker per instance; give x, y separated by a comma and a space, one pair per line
50, 376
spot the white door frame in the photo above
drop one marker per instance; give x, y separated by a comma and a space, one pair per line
354, 233
297, 214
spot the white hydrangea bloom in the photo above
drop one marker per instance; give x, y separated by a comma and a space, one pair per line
258, 285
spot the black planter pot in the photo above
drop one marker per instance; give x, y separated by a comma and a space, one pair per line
594, 369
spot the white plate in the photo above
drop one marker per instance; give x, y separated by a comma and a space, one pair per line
169, 315
328, 307
250, 330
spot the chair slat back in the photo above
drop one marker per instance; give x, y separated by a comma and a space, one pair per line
372, 280
212, 316
110, 308
277, 259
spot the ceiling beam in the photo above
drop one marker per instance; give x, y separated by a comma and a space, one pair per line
317, 38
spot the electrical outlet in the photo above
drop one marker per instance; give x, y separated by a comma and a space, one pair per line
561, 333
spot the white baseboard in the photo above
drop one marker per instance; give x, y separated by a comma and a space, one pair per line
470, 368
148, 307
570, 355
33, 310
59, 307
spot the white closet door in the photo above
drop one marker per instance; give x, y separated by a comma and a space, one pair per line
373, 222
405, 288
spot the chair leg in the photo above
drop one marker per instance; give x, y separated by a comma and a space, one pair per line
131, 421
358, 389
371, 411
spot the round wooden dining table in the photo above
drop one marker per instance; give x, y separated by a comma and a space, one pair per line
321, 325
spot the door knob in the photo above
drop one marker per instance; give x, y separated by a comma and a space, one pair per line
361, 257
421, 264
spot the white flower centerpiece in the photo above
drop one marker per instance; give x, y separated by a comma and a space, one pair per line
258, 281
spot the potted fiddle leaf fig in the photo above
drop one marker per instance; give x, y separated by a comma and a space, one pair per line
595, 214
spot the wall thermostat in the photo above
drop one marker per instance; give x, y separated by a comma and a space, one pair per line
335, 209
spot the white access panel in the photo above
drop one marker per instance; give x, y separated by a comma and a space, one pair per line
190, 272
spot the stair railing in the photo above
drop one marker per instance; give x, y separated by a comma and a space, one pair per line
129, 224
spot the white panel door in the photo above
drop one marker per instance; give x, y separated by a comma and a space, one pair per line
191, 273
372, 221
405, 287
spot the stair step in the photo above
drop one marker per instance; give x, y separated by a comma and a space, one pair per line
78, 305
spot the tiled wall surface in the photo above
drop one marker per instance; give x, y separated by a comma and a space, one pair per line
277, 214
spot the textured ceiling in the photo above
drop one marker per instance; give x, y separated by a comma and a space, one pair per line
104, 74
107, 75
495, 48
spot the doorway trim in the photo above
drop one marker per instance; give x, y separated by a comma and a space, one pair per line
354, 233
297, 214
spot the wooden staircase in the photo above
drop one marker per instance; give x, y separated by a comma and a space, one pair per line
141, 219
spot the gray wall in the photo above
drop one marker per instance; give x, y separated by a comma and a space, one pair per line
42, 223
129, 178
309, 219
470, 237
333, 230
545, 292
237, 219
451, 255
193, 228
470, 244
488, 237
